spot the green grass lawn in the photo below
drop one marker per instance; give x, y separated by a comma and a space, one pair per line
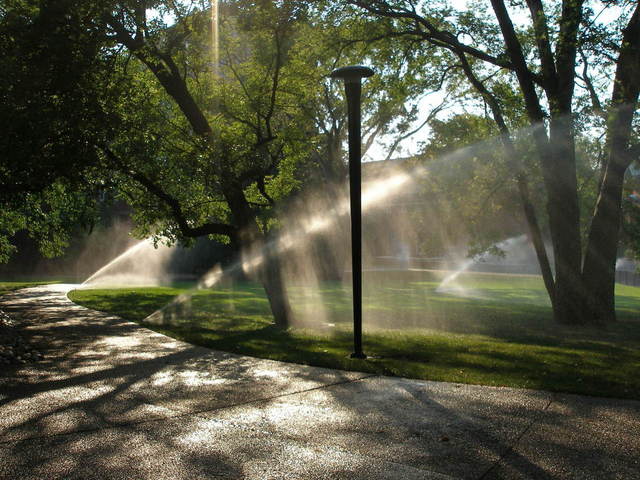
500, 333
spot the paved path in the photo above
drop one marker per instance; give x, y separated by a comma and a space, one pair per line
115, 400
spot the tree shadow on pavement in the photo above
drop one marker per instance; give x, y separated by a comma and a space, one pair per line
115, 400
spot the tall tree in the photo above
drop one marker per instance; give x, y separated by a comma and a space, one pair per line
217, 146
390, 104
542, 58
54, 62
206, 149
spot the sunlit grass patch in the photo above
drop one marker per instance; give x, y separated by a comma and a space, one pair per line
502, 334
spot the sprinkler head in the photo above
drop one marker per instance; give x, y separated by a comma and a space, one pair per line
352, 74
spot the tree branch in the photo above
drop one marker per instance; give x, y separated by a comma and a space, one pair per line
595, 101
401, 138
514, 49
430, 31
171, 202
541, 29
566, 53
167, 73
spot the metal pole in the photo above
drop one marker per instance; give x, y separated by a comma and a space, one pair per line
352, 77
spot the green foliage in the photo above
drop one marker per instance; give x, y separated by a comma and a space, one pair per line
272, 112
49, 107
469, 187
10, 222
250, 103
51, 217
55, 62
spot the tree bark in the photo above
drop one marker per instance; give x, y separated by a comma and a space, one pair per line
273, 284
604, 232
535, 233
556, 150
561, 178
262, 260
600, 260
564, 222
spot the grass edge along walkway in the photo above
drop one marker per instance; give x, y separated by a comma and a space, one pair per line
6, 287
581, 360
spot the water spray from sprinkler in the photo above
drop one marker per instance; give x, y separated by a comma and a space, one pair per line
352, 77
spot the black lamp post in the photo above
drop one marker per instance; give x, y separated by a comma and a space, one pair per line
352, 77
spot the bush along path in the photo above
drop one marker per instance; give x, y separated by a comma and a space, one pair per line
14, 349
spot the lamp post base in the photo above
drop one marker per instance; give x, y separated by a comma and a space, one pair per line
359, 355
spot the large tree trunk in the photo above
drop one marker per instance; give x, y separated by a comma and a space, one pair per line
559, 161
262, 260
564, 223
263, 264
556, 151
600, 258
599, 267
535, 235
270, 276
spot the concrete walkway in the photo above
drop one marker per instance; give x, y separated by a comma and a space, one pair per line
115, 400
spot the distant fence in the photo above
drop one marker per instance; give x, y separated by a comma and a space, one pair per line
628, 278
623, 277
449, 265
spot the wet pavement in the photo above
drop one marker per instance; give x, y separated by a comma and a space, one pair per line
114, 400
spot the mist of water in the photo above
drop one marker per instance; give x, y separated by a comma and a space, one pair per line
414, 250
316, 222
86, 253
511, 249
142, 264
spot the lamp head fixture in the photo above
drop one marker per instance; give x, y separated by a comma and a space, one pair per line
352, 74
